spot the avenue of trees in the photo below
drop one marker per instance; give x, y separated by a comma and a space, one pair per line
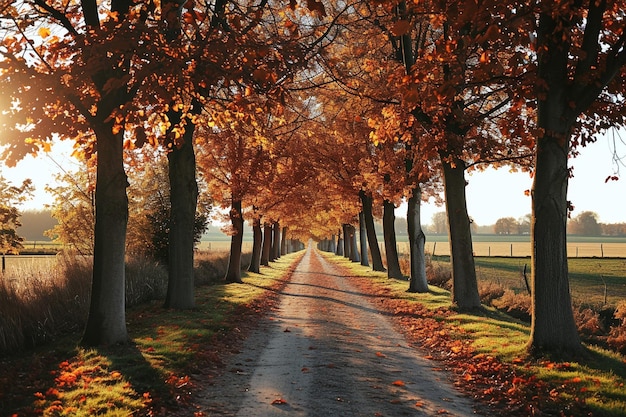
310, 118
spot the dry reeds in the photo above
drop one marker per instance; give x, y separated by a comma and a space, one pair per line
42, 300
211, 266
39, 301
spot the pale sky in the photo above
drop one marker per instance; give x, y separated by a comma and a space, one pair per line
490, 194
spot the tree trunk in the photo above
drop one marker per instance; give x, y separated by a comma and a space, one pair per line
346, 241
267, 244
354, 251
363, 240
391, 247
553, 329
283, 242
372, 240
333, 245
464, 284
276, 241
339, 245
417, 242
106, 323
233, 274
257, 243
183, 200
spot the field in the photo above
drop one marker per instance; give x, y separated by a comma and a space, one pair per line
498, 245
593, 281
28, 262
484, 245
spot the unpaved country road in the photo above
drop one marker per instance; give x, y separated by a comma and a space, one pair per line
326, 351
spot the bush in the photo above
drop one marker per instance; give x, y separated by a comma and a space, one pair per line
146, 280
211, 267
620, 312
617, 339
617, 335
588, 322
489, 291
517, 305
438, 275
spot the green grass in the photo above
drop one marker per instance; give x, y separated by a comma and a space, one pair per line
588, 277
598, 380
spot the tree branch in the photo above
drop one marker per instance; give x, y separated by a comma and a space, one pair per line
57, 15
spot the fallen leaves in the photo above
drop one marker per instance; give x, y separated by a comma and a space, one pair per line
500, 385
279, 401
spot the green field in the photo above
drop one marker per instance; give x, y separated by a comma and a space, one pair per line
596, 282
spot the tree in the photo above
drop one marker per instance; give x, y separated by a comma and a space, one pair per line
182, 221
581, 80
366, 202
460, 100
417, 240
234, 158
10, 198
585, 224
363, 240
74, 209
257, 243
439, 223
88, 78
506, 226
391, 247
524, 224
150, 207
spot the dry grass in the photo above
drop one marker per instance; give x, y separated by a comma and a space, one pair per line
39, 301
211, 266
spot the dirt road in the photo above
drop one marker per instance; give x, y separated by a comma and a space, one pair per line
327, 351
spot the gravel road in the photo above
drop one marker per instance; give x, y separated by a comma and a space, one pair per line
326, 351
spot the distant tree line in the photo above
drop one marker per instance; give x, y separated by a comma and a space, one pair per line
34, 223
585, 224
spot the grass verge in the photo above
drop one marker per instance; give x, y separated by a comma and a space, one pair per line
157, 372
486, 353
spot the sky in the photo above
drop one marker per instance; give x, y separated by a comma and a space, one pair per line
491, 194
